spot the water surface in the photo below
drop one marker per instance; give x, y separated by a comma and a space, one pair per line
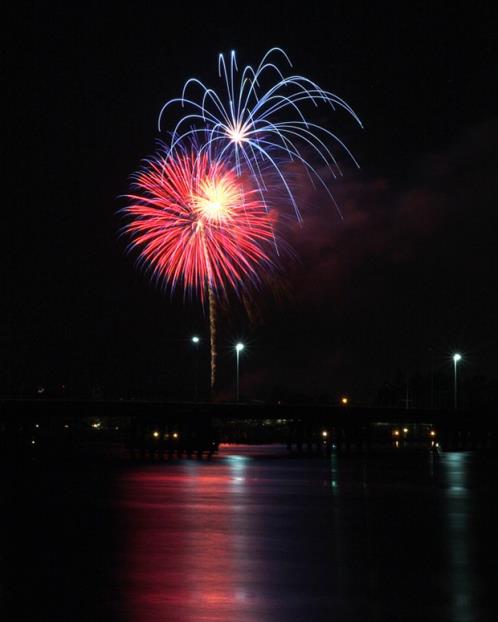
255, 536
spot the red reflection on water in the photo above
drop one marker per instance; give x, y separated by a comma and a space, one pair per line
184, 555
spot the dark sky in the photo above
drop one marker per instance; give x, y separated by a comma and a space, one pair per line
408, 276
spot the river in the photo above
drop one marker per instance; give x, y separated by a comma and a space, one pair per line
253, 536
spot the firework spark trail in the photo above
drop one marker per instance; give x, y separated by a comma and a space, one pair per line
245, 125
212, 333
199, 225
212, 316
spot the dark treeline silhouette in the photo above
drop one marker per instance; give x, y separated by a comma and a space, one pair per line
410, 390
436, 391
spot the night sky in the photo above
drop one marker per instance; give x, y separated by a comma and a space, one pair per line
406, 278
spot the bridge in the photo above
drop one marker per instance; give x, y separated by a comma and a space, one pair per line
159, 429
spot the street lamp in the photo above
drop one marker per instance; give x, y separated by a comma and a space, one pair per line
196, 340
456, 357
238, 348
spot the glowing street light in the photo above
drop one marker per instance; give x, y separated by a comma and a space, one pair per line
344, 400
238, 349
456, 358
196, 340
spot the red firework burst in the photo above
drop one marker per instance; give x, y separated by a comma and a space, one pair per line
198, 224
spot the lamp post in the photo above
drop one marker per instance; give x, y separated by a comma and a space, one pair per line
238, 348
456, 357
196, 340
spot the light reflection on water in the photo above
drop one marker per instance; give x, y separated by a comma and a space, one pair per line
254, 539
460, 538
